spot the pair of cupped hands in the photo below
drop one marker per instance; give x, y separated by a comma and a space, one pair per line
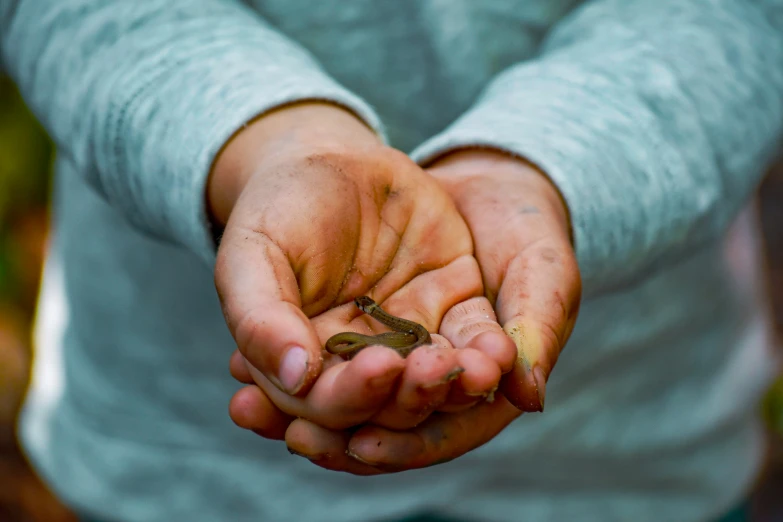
315, 210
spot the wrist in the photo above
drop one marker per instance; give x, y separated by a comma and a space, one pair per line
305, 125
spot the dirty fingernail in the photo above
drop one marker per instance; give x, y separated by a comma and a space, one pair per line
540, 378
293, 369
357, 457
453, 374
308, 457
488, 396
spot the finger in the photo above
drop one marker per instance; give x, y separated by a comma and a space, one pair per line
473, 324
474, 386
538, 304
324, 448
346, 394
443, 437
429, 370
424, 386
251, 409
260, 299
238, 368
485, 350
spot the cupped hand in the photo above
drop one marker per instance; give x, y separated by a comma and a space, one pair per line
522, 237
521, 232
318, 211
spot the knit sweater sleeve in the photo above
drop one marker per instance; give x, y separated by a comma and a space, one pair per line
141, 96
656, 119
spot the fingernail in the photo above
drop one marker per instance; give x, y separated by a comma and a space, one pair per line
357, 457
487, 396
453, 374
308, 457
540, 378
293, 369
491, 394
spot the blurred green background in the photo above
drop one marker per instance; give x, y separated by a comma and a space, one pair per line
25, 165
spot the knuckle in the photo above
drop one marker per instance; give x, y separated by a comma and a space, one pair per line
553, 342
474, 308
474, 328
246, 332
550, 255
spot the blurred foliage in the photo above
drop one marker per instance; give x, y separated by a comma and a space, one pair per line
25, 154
773, 406
25, 164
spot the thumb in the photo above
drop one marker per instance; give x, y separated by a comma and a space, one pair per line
260, 298
537, 305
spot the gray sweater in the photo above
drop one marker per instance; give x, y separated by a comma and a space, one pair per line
655, 118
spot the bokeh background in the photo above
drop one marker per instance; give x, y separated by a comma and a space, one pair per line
25, 175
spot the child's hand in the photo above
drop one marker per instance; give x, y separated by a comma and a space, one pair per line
317, 212
521, 232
